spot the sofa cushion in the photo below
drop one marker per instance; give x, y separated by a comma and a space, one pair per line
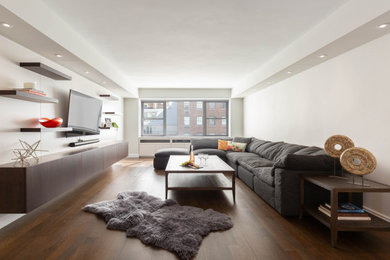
254, 144
311, 150
251, 163
270, 150
287, 149
221, 154
202, 143
245, 140
234, 156
320, 162
166, 152
266, 174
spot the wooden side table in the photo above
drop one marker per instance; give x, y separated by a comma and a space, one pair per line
335, 186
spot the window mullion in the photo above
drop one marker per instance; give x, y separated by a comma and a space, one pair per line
204, 118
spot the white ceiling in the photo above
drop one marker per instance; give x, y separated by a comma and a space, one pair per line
183, 43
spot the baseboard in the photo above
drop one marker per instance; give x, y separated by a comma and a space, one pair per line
133, 155
377, 214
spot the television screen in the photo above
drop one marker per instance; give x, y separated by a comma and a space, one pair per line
84, 113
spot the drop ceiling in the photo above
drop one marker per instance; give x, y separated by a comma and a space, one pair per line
203, 43
181, 44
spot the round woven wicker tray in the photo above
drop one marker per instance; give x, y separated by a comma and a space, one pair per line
337, 144
358, 161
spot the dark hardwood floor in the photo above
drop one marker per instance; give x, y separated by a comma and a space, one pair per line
60, 230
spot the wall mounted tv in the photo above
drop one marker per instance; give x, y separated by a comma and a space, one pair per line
84, 114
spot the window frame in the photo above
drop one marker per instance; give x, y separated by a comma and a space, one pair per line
204, 118
215, 118
164, 119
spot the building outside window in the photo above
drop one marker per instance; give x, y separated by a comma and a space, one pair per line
199, 120
211, 105
173, 118
187, 121
211, 120
153, 118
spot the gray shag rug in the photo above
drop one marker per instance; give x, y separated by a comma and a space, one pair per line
162, 223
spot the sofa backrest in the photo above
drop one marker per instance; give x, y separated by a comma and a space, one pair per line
204, 143
275, 150
254, 144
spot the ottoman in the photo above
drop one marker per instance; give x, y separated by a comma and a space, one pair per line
161, 157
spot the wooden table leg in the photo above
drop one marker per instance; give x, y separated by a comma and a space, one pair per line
333, 216
302, 197
166, 185
234, 186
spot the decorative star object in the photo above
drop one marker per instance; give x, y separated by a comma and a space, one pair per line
26, 152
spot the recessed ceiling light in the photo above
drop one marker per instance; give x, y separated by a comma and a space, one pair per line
322, 56
87, 72
383, 25
58, 55
289, 72
7, 25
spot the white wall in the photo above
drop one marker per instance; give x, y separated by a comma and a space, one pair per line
236, 117
346, 95
131, 121
15, 114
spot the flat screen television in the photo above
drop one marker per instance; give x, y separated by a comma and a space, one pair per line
84, 113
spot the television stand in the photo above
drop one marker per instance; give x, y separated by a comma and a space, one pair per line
83, 142
24, 188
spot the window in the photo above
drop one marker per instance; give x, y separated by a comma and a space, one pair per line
186, 105
187, 121
211, 120
173, 118
223, 122
216, 118
211, 105
199, 120
153, 118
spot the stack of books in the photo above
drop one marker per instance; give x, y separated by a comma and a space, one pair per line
346, 211
33, 91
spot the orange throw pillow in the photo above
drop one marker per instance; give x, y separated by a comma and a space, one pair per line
222, 145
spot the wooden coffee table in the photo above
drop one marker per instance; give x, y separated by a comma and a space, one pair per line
210, 177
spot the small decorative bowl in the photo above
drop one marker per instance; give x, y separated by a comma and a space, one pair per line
50, 123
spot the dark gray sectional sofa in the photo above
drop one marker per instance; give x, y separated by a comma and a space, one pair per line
273, 169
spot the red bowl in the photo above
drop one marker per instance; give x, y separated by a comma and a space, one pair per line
50, 123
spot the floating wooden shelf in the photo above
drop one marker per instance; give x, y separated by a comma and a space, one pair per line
109, 97
45, 70
23, 95
104, 127
43, 129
